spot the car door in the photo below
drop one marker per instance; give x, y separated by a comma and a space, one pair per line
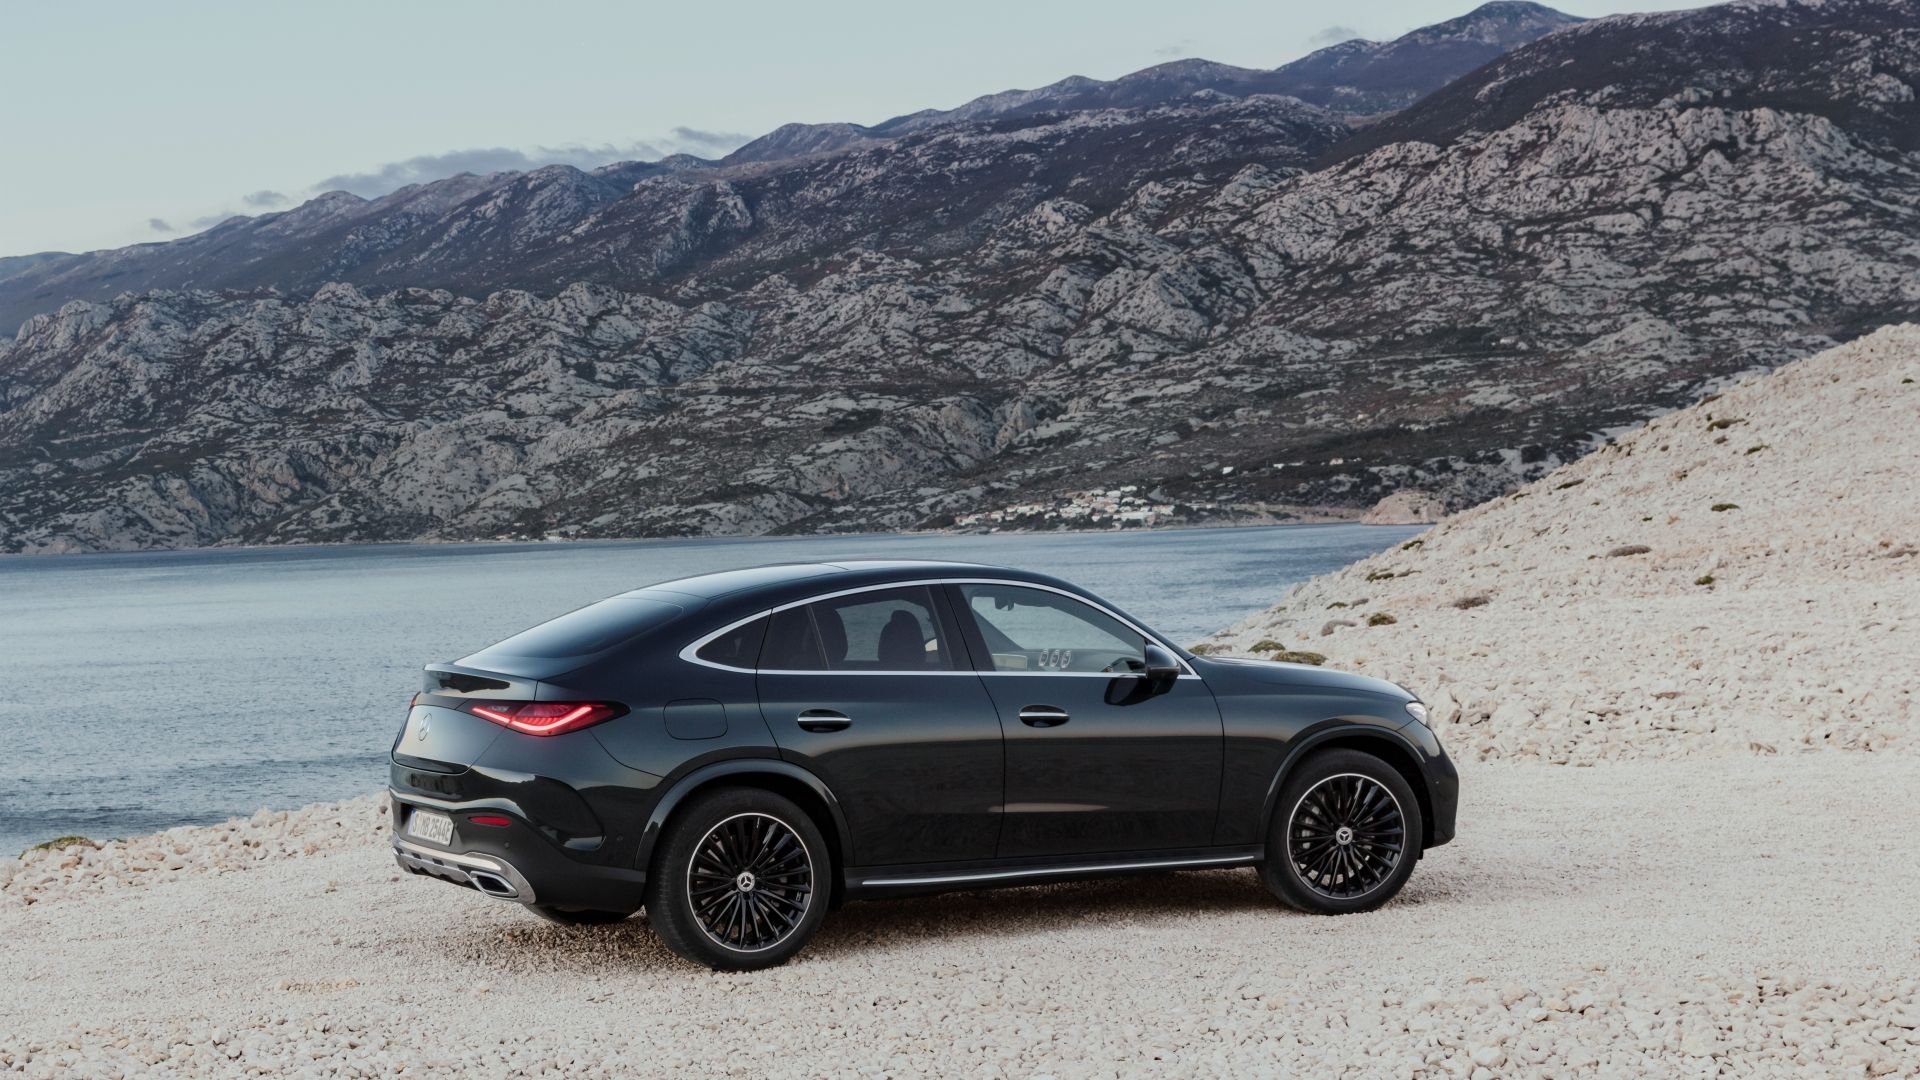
1096, 762
871, 691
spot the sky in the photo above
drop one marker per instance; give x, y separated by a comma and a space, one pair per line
128, 122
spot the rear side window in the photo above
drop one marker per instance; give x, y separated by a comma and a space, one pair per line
590, 629
792, 644
882, 630
878, 630
737, 648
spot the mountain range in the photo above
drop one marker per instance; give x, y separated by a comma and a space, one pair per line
1441, 264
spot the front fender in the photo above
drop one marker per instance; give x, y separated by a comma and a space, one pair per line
1368, 729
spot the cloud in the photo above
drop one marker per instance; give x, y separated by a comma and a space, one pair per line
1178, 48
482, 160
208, 221
1333, 35
159, 225
688, 140
264, 199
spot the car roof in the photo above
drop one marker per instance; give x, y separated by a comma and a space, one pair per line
777, 577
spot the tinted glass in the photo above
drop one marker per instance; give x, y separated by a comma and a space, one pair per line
792, 644
739, 647
882, 630
589, 629
1036, 630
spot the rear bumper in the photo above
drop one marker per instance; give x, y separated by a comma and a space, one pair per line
484, 873
514, 862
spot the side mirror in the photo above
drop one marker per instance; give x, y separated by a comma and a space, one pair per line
1162, 668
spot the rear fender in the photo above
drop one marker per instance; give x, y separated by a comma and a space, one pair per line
744, 770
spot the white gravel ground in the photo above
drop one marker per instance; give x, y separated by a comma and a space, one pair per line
1727, 890
1750, 917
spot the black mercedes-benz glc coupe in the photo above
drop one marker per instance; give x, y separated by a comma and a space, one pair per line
740, 752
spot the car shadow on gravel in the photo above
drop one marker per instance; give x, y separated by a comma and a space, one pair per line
522, 943
1113, 902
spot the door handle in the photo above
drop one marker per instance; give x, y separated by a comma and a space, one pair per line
822, 720
1043, 715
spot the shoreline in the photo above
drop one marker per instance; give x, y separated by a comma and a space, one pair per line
498, 544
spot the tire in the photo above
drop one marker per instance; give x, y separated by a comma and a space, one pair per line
1345, 834
740, 881
581, 917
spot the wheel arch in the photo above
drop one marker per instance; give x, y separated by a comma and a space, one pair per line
1384, 743
782, 778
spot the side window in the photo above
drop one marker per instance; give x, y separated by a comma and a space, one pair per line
737, 648
1039, 631
882, 630
792, 644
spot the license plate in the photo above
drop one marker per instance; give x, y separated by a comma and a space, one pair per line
429, 826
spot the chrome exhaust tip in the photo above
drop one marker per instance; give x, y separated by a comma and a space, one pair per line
487, 874
493, 884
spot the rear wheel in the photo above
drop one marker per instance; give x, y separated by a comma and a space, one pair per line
740, 881
1345, 834
581, 917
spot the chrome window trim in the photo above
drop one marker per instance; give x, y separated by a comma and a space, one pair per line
1042, 871
688, 653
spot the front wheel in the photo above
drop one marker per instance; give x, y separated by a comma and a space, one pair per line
1345, 834
740, 881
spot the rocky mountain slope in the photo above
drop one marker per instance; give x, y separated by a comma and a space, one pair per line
1738, 577
684, 227
546, 229
1852, 62
1002, 316
1357, 77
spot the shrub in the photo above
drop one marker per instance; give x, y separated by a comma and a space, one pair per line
1756, 449
61, 842
1703, 579
1412, 544
1291, 657
1719, 507
1203, 649
1381, 575
1466, 603
1381, 618
1724, 423
1335, 604
1570, 484
1267, 645
1628, 549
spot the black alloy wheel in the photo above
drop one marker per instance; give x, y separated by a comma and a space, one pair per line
740, 880
1346, 836
1346, 832
750, 882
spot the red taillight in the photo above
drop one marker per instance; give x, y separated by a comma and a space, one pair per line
492, 820
544, 717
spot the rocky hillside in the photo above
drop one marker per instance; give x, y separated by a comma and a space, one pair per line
1356, 77
1000, 316
765, 208
1741, 576
546, 229
686, 228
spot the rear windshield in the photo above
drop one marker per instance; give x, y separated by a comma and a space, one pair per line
590, 629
